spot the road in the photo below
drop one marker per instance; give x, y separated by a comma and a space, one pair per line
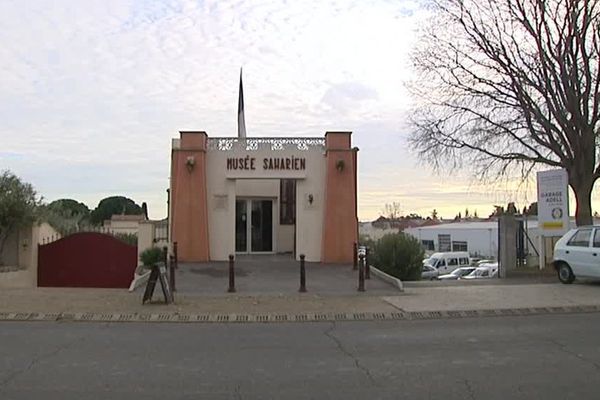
537, 357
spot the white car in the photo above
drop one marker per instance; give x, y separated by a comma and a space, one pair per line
484, 271
458, 273
577, 254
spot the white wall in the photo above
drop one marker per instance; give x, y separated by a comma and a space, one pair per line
224, 186
481, 237
27, 255
480, 241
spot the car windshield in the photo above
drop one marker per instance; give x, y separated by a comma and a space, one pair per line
432, 261
462, 271
480, 272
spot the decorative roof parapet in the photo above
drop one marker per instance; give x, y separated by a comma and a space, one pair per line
272, 143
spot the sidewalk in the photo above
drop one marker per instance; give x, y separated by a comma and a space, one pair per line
415, 303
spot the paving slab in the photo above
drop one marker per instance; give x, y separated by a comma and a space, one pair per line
490, 297
274, 275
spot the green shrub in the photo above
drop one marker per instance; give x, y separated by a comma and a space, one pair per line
399, 255
152, 256
129, 238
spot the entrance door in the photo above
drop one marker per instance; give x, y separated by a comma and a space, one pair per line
253, 233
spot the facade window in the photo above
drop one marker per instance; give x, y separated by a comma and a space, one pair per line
459, 246
287, 201
427, 244
444, 243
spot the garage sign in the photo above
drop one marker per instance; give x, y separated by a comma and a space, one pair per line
553, 202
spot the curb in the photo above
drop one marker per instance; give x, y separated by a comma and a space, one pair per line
387, 278
174, 317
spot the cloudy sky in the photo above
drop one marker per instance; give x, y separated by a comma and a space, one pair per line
92, 91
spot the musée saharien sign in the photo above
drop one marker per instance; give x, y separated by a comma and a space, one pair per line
267, 163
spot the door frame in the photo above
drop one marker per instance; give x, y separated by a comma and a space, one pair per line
274, 208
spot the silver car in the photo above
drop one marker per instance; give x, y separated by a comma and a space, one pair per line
458, 273
429, 273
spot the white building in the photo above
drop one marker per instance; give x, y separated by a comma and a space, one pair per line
480, 239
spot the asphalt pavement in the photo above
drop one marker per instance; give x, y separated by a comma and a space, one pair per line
533, 357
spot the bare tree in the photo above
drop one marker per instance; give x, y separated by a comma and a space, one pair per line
392, 210
506, 87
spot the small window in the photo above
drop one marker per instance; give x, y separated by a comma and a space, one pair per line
463, 261
444, 243
459, 246
581, 238
452, 262
287, 201
597, 238
427, 244
441, 263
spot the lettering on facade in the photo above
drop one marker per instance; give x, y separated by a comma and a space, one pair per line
268, 163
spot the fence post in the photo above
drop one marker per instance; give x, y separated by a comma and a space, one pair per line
355, 256
302, 274
367, 268
231, 275
361, 273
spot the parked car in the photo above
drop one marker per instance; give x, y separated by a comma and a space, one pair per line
577, 254
456, 274
429, 273
449, 261
484, 271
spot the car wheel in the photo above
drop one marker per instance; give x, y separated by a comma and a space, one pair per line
565, 274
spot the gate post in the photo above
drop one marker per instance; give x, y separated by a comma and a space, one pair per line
355, 256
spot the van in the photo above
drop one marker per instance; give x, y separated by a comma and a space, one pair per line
448, 262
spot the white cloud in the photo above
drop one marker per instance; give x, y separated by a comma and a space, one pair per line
92, 91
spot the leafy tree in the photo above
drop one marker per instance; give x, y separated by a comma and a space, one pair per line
399, 255
18, 206
66, 215
114, 205
69, 208
533, 209
508, 87
434, 214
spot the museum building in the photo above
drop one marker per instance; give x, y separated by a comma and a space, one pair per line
242, 195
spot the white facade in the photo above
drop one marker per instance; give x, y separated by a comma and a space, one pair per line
225, 185
481, 238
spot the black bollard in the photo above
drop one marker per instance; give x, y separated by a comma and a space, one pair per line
361, 273
231, 275
302, 275
355, 256
172, 273
175, 254
367, 268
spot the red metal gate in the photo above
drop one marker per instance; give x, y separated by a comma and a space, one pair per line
86, 259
